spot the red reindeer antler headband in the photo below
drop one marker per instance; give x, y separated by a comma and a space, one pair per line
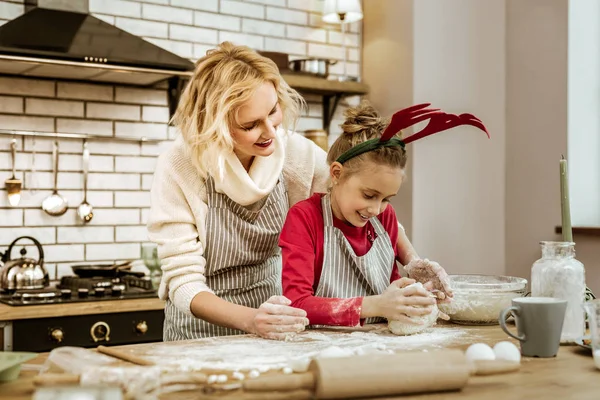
438, 121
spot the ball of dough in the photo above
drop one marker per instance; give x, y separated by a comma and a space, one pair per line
480, 351
426, 321
507, 351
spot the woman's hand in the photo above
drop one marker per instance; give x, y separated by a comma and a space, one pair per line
432, 276
275, 319
399, 303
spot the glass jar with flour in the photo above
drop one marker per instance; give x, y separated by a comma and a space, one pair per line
558, 274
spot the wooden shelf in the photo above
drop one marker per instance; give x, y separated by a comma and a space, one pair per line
313, 84
582, 230
331, 91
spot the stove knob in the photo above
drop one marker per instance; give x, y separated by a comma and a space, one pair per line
141, 327
117, 290
99, 291
83, 292
100, 331
57, 335
65, 293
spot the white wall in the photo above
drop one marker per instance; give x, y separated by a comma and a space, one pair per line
584, 112
458, 178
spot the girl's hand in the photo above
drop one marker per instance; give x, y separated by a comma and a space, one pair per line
432, 275
399, 303
275, 319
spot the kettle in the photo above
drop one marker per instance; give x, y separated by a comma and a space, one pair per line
23, 273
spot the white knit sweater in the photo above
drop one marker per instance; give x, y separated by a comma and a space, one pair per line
177, 220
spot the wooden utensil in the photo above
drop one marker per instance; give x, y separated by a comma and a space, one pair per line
382, 374
13, 185
122, 355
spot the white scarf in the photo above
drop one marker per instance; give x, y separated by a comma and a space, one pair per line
248, 187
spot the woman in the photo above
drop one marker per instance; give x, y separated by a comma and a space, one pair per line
220, 196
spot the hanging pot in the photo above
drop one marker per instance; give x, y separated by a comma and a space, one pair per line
23, 273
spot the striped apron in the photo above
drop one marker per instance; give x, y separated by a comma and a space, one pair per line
243, 259
345, 274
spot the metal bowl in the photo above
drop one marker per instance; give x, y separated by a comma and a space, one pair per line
478, 299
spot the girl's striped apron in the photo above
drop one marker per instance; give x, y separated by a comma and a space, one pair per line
243, 259
347, 275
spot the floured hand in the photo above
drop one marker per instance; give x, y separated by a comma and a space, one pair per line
275, 319
432, 275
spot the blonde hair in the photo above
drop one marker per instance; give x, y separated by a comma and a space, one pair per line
224, 79
363, 123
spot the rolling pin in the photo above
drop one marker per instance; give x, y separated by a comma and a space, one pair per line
382, 374
122, 355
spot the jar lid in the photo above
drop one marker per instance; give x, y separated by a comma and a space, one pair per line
496, 283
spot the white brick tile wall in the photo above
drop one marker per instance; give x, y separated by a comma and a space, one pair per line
10, 10
116, 216
155, 114
84, 91
286, 15
27, 87
132, 199
121, 173
293, 47
217, 21
64, 252
135, 164
308, 34
307, 5
10, 104
116, 7
43, 235
19, 122
141, 129
113, 111
111, 181
182, 49
147, 182
263, 27
253, 41
113, 251
84, 126
131, 233
141, 96
86, 234
192, 34
63, 108
205, 5
11, 217
167, 14
242, 9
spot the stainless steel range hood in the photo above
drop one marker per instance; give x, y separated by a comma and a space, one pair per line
59, 39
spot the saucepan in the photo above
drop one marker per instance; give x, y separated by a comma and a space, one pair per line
312, 66
104, 270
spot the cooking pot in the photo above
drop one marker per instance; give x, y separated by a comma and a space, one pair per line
23, 273
312, 66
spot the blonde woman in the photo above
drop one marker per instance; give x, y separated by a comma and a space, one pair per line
220, 196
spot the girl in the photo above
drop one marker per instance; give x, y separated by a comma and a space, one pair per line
339, 248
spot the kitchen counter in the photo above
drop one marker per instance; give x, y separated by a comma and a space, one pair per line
11, 313
571, 375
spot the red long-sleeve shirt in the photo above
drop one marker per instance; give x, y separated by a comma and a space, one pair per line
301, 242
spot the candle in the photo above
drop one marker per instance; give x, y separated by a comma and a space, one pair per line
565, 207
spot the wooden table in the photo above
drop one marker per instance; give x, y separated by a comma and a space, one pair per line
571, 375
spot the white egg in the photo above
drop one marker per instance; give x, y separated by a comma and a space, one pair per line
507, 351
480, 351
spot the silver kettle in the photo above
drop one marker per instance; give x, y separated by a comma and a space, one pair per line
23, 273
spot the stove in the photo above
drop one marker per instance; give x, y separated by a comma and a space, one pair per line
73, 289
89, 330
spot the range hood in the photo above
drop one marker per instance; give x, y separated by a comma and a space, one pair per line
60, 39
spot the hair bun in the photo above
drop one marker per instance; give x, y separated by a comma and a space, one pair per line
363, 120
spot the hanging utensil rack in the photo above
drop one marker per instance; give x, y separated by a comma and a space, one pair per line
77, 136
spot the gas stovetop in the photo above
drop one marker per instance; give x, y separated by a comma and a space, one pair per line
72, 289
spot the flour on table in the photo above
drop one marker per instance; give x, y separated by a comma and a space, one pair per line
249, 352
